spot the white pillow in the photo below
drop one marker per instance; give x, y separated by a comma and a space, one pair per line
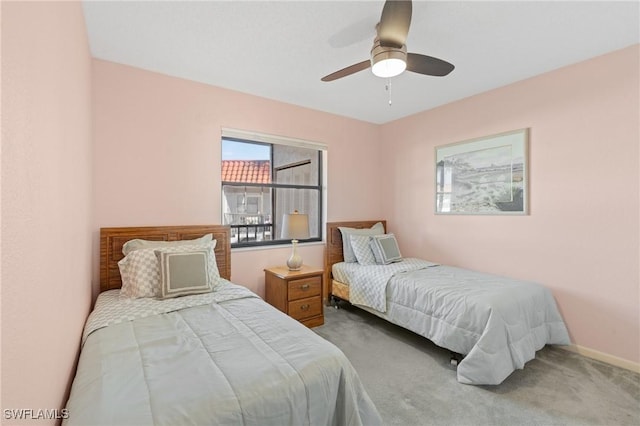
138, 244
347, 251
362, 249
140, 270
385, 249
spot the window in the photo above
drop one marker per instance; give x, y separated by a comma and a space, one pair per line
264, 178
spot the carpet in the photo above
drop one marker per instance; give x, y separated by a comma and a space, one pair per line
412, 381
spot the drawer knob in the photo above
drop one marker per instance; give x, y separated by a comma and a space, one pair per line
305, 307
304, 287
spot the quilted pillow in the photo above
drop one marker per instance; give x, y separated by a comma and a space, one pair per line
385, 249
139, 244
184, 272
140, 274
140, 270
347, 250
362, 249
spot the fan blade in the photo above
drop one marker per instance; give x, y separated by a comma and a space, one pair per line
348, 71
423, 64
394, 23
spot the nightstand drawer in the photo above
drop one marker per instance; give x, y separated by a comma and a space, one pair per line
305, 308
303, 288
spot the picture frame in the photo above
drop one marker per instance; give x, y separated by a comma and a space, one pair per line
483, 176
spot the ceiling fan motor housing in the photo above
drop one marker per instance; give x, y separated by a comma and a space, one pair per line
388, 61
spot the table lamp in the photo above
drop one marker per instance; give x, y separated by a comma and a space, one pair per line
295, 226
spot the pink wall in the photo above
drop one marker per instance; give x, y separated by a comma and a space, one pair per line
157, 156
581, 238
46, 200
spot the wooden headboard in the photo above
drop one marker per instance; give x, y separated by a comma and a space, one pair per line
333, 249
112, 240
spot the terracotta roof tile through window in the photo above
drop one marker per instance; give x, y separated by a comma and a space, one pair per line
250, 171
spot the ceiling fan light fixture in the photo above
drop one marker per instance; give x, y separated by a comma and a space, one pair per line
389, 67
386, 61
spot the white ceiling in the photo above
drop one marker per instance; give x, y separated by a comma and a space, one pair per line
280, 50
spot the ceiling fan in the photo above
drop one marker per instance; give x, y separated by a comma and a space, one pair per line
389, 55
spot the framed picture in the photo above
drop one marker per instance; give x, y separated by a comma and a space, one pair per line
484, 176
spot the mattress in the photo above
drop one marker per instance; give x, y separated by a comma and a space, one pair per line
225, 357
498, 323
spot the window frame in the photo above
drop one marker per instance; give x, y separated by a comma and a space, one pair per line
273, 186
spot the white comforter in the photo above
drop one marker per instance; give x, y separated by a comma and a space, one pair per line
230, 360
497, 323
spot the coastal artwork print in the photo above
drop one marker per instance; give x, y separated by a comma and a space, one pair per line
483, 176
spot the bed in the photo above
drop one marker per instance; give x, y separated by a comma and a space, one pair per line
494, 324
216, 357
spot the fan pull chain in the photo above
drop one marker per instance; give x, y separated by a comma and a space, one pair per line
387, 87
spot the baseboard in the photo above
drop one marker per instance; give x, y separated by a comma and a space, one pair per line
601, 356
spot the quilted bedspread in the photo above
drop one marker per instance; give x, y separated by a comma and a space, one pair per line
497, 323
368, 284
225, 359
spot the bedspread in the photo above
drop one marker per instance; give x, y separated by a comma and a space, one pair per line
237, 361
497, 323
111, 308
368, 283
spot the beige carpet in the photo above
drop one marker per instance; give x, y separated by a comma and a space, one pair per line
412, 382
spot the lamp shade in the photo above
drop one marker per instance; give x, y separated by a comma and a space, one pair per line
295, 226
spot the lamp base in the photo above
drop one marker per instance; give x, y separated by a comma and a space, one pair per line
295, 260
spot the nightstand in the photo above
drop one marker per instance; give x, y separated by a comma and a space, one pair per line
296, 293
